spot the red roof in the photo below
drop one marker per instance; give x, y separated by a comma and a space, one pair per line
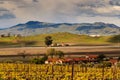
76, 59
72, 59
68, 59
53, 59
80, 59
56, 59
83, 59
113, 60
92, 56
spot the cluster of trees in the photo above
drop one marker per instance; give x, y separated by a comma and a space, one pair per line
50, 52
10, 35
101, 58
40, 60
115, 39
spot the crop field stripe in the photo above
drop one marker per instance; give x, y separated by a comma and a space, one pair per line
10, 71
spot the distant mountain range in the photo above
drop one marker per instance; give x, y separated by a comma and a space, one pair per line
35, 27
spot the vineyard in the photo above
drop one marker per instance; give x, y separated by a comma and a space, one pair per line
10, 71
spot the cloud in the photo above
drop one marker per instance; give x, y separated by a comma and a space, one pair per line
2, 9
57, 8
97, 8
1, 2
35, 1
79, 8
114, 2
61, 10
5, 14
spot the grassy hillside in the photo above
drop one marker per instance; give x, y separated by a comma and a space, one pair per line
38, 40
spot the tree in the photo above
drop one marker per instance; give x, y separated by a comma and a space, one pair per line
40, 60
51, 52
3, 35
35, 60
119, 58
9, 34
43, 59
23, 54
115, 39
60, 54
48, 40
100, 57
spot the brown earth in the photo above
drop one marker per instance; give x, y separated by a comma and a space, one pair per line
79, 50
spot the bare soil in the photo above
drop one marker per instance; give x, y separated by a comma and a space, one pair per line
108, 50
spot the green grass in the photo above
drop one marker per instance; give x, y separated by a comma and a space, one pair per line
38, 40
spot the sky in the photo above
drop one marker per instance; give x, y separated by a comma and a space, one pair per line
13, 12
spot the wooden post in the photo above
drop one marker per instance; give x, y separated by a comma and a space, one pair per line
52, 71
85, 68
72, 75
114, 72
103, 71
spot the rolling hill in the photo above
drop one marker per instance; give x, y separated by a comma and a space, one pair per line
61, 37
35, 27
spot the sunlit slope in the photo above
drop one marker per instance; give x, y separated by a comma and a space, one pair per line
38, 40
68, 38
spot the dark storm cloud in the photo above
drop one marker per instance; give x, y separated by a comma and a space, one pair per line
1, 2
115, 2
35, 1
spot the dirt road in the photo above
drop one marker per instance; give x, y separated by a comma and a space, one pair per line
76, 49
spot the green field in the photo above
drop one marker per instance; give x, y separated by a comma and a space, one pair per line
38, 40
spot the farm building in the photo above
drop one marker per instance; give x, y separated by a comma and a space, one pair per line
114, 61
87, 58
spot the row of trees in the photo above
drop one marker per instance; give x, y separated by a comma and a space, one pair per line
50, 52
